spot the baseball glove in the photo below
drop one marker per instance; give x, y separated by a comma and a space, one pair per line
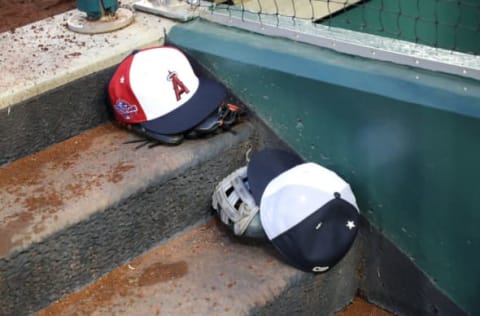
236, 206
221, 120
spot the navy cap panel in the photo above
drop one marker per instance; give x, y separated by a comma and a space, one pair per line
266, 165
322, 238
206, 100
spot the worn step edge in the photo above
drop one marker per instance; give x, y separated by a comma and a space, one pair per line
55, 78
78, 208
46, 54
206, 271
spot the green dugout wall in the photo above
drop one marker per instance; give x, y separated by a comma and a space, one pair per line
407, 140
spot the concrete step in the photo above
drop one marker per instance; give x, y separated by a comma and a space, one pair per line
77, 209
53, 79
206, 271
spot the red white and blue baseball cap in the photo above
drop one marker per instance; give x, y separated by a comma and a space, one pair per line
307, 211
158, 89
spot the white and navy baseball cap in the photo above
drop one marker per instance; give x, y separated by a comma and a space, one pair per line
307, 211
158, 89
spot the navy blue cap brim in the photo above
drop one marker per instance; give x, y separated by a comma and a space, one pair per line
267, 164
306, 245
204, 102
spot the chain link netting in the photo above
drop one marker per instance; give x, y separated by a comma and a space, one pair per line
448, 24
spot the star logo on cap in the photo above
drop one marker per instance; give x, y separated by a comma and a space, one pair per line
350, 225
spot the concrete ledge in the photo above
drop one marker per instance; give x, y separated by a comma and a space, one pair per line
45, 55
206, 271
54, 80
75, 210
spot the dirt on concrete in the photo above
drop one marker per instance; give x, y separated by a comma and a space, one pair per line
360, 307
16, 13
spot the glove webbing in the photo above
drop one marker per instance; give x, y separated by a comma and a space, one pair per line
240, 198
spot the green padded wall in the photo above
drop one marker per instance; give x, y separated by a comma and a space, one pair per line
407, 140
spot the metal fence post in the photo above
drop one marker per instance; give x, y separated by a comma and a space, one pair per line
99, 16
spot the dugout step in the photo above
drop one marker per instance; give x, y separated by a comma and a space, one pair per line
77, 209
206, 271
56, 78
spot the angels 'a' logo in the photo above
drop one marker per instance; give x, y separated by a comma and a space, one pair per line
178, 86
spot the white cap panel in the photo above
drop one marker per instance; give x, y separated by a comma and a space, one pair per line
147, 75
297, 193
289, 206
